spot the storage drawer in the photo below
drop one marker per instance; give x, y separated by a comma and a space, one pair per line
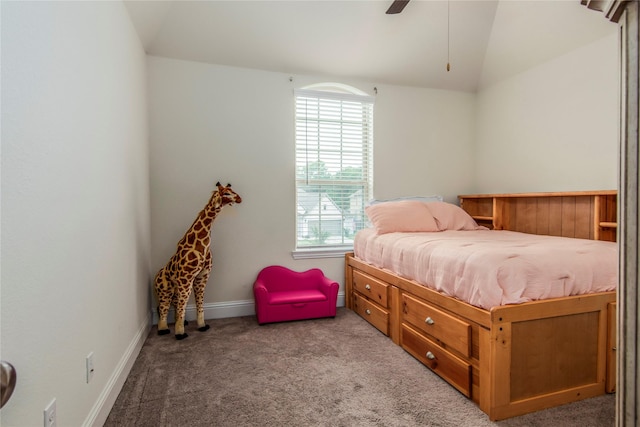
371, 287
371, 313
451, 331
454, 370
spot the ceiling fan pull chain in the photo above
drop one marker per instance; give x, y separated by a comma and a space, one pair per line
448, 32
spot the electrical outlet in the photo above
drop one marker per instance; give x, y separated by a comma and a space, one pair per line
50, 415
90, 369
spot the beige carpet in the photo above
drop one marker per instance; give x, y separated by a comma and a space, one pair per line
324, 372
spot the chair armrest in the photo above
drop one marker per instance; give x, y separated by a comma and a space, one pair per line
260, 291
329, 287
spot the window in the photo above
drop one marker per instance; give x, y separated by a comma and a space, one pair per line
334, 171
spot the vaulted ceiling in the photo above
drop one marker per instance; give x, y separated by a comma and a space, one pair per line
485, 41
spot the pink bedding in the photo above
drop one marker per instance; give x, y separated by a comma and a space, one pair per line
490, 268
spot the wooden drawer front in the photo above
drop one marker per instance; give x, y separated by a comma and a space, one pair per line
454, 370
371, 287
451, 331
371, 313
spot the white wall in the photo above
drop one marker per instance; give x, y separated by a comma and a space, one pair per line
210, 123
423, 142
554, 127
75, 206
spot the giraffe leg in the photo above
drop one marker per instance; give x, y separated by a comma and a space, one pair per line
174, 303
164, 294
184, 290
199, 285
198, 289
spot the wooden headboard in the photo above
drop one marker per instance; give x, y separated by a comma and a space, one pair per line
580, 214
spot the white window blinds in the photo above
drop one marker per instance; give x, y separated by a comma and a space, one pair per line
334, 171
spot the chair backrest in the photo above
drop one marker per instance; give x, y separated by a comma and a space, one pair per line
279, 278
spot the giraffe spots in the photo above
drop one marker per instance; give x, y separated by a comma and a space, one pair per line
191, 238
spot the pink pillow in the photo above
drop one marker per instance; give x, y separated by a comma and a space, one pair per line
452, 217
403, 216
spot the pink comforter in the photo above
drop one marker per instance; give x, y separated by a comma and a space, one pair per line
490, 268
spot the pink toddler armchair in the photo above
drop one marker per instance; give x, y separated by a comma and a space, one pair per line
282, 294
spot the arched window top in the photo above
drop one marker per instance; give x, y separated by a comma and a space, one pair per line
335, 87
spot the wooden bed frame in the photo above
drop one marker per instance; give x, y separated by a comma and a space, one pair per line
512, 359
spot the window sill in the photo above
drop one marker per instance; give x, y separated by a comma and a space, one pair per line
320, 253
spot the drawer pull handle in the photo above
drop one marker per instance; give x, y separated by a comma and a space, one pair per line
367, 311
430, 355
367, 287
429, 321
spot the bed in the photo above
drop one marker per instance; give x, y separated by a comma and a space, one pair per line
510, 349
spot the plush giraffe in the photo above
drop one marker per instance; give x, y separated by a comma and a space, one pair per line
190, 266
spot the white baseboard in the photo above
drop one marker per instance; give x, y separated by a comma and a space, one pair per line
222, 310
101, 409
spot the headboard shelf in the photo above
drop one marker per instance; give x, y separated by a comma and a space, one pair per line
580, 214
543, 194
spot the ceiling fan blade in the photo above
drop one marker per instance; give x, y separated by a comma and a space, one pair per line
397, 6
